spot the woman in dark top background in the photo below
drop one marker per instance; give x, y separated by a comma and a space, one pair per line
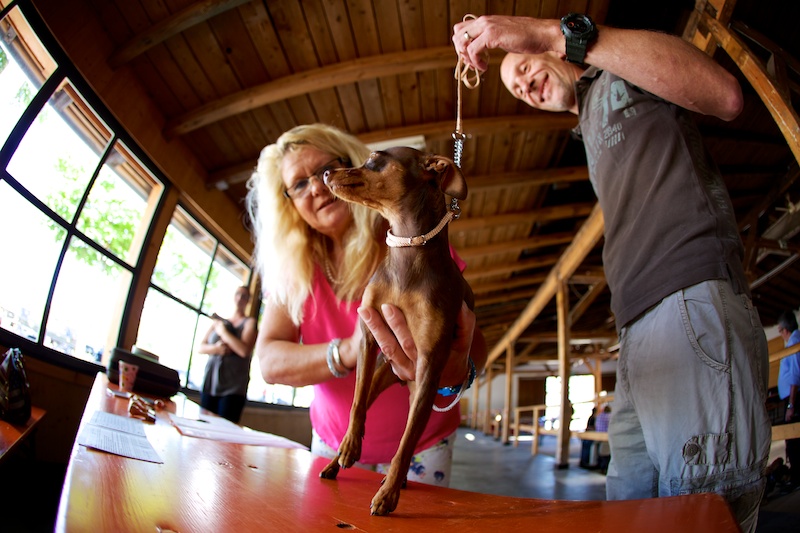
229, 345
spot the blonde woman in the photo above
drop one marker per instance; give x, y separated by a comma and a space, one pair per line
315, 255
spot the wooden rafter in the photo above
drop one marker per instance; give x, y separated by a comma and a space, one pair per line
520, 281
507, 268
558, 212
475, 127
587, 300
516, 246
756, 73
169, 27
721, 10
583, 243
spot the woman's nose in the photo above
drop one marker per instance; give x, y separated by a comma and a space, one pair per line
316, 184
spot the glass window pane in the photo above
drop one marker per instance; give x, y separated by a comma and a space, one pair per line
197, 371
87, 304
184, 260
166, 330
116, 206
24, 66
279, 394
303, 396
32, 244
228, 273
60, 152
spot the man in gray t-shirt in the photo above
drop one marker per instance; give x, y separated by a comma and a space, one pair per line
689, 411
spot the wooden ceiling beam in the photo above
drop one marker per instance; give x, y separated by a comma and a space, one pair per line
541, 214
755, 72
577, 337
511, 283
505, 297
587, 300
776, 191
538, 121
327, 77
588, 276
516, 246
585, 240
695, 33
159, 32
507, 268
529, 178
500, 319
241, 172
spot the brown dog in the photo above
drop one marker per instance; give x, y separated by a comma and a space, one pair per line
418, 276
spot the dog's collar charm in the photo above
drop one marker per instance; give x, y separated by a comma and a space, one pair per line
393, 241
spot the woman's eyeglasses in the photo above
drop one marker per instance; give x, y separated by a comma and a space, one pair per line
302, 187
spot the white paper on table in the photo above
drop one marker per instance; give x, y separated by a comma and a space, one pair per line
218, 428
134, 426
118, 435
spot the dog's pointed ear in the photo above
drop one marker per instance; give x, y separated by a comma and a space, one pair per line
449, 175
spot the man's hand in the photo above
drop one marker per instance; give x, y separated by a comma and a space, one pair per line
396, 343
473, 37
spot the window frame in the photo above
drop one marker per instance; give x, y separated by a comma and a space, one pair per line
130, 308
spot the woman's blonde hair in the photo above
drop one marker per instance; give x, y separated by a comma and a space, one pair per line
286, 247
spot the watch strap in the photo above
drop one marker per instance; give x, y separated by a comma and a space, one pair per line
576, 50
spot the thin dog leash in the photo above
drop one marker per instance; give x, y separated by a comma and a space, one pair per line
462, 75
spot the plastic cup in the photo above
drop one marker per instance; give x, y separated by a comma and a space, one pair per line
127, 376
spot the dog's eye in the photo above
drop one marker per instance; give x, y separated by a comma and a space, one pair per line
321, 172
375, 162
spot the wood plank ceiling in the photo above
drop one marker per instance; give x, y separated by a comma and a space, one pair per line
230, 76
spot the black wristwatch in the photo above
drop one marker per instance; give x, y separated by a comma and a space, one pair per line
579, 31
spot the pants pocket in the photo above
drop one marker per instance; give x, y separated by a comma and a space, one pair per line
705, 319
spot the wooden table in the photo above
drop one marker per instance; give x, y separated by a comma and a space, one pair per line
207, 485
11, 435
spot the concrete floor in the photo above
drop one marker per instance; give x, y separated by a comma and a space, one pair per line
486, 465
483, 464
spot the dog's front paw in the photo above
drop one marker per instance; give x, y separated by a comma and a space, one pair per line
349, 451
385, 500
330, 471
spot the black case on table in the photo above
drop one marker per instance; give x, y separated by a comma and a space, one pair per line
152, 378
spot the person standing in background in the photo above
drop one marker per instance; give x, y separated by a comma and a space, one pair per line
229, 345
788, 385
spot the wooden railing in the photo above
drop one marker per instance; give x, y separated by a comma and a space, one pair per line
533, 427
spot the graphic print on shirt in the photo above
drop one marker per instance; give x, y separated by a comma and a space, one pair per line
607, 102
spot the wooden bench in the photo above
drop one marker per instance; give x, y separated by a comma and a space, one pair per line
600, 436
786, 431
533, 427
12, 435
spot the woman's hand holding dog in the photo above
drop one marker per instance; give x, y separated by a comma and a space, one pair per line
397, 345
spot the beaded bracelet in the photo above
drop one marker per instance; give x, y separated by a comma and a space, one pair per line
333, 355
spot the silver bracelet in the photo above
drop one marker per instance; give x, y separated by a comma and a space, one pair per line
337, 360
333, 354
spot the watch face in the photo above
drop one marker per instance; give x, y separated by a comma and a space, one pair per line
578, 26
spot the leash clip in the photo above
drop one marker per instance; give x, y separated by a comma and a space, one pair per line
455, 208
